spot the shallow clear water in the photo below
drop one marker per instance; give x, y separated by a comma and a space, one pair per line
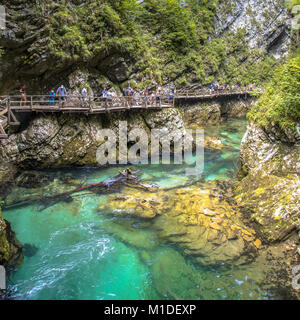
82, 253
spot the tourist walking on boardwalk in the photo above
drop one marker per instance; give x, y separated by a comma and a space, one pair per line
52, 97
158, 96
152, 98
131, 96
127, 94
61, 94
104, 93
84, 97
145, 97
23, 95
171, 96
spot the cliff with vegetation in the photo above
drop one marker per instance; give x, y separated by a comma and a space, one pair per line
270, 156
145, 43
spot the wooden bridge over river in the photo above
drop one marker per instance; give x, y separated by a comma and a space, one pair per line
10, 105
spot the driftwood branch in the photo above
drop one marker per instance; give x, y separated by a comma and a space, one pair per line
126, 177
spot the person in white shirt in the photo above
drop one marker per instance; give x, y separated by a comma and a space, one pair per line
84, 96
61, 94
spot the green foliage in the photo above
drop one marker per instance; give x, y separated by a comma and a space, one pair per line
291, 3
168, 40
280, 104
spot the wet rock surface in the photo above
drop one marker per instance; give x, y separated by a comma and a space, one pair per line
10, 248
199, 114
33, 180
199, 219
8, 173
270, 188
70, 140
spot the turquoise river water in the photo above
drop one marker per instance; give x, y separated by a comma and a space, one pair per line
80, 253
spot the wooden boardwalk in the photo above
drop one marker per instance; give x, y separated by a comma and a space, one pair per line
95, 105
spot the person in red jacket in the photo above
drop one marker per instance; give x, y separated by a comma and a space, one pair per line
23, 95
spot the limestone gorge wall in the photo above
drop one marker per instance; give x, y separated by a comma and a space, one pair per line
214, 111
67, 140
270, 190
266, 23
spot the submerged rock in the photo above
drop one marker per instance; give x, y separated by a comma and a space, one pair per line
30, 250
203, 224
70, 180
139, 204
213, 143
33, 180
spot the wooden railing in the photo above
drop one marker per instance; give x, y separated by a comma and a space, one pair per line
206, 93
97, 104
88, 104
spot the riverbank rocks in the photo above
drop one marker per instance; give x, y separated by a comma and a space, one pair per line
202, 115
204, 225
273, 203
207, 113
62, 140
10, 247
272, 151
7, 174
269, 191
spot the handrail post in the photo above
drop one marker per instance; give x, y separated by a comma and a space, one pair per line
31, 103
8, 111
90, 104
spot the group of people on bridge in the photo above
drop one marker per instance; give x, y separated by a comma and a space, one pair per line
215, 87
130, 96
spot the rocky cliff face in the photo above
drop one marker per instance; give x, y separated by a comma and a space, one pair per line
72, 140
266, 23
28, 56
270, 190
45, 42
197, 114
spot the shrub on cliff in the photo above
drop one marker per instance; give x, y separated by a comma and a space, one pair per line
280, 103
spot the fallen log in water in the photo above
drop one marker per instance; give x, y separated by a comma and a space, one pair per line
126, 177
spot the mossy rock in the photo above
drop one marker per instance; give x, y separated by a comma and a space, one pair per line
273, 203
10, 248
199, 219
